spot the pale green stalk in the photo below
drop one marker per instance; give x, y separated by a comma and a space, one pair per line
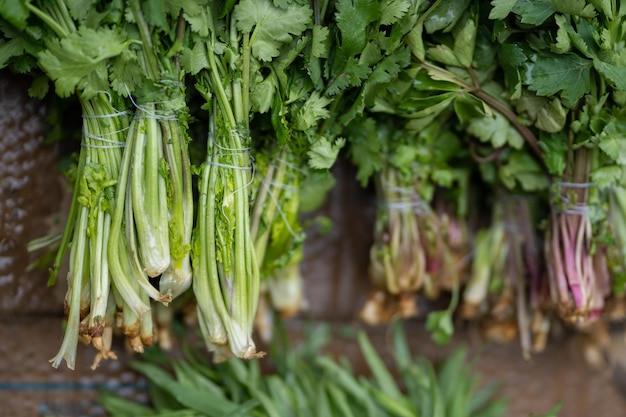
148, 188
166, 250
104, 136
274, 229
205, 267
135, 269
117, 252
177, 278
232, 269
131, 324
146, 326
263, 211
286, 289
397, 258
67, 351
227, 282
105, 342
489, 249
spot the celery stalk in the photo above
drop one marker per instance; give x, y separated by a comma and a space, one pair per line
205, 270
67, 351
149, 192
117, 250
177, 277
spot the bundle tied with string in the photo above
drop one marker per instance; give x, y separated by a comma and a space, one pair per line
226, 274
399, 255
576, 263
153, 208
161, 187
89, 304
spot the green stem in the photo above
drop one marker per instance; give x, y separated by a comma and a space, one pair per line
478, 92
117, 252
148, 192
67, 351
129, 254
245, 74
428, 12
205, 269
69, 225
177, 277
148, 48
57, 28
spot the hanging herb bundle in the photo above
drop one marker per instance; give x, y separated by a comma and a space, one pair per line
566, 80
411, 249
228, 59
65, 37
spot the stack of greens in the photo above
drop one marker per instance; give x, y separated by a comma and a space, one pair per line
563, 67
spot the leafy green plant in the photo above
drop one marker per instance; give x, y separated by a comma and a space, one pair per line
306, 382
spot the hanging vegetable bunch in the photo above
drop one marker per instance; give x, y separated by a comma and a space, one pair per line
60, 41
247, 66
445, 96
565, 73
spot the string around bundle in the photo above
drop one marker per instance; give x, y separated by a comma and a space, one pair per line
283, 216
569, 207
290, 173
410, 201
291, 166
245, 149
107, 116
577, 209
416, 205
108, 143
566, 184
280, 186
209, 161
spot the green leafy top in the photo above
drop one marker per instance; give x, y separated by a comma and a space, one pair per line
424, 158
72, 42
79, 62
370, 49
270, 27
566, 63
